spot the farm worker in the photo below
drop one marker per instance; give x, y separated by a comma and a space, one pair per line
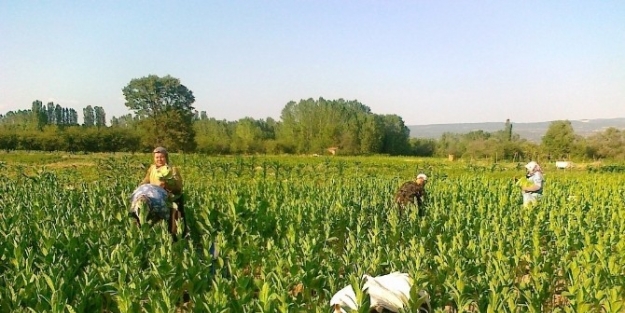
411, 192
168, 177
533, 192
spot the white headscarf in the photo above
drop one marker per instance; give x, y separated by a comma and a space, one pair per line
533, 167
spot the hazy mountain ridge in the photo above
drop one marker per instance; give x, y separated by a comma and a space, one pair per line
530, 131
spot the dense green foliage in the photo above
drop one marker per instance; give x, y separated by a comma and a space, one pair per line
291, 231
163, 114
164, 110
250, 136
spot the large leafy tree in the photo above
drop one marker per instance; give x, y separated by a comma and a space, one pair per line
312, 126
608, 144
165, 111
396, 135
559, 139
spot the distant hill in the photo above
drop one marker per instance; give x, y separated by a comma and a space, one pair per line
529, 131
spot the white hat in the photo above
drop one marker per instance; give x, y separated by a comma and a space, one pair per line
531, 165
422, 176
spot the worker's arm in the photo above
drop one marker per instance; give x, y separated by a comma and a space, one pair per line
538, 184
146, 179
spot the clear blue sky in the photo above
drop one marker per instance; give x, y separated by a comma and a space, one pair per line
427, 61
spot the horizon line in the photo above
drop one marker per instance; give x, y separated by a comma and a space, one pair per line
545, 121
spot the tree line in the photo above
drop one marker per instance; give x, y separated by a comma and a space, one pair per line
163, 114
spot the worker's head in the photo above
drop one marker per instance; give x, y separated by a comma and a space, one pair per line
532, 167
422, 178
160, 156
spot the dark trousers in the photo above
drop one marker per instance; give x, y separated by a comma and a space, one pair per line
172, 220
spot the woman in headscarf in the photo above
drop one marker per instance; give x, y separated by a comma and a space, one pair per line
533, 193
162, 174
168, 177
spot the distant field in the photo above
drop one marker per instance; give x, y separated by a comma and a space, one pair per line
530, 131
291, 231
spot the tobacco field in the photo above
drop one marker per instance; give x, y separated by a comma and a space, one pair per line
290, 231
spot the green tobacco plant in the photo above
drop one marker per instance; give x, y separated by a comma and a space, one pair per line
292, 231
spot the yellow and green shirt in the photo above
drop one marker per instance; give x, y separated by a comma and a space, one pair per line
173, 184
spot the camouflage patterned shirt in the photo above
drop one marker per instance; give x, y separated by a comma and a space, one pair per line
409, 192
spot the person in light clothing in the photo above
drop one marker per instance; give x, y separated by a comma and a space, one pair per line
532, 194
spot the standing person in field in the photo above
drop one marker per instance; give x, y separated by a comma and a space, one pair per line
412, 192
532, 193
162, 174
